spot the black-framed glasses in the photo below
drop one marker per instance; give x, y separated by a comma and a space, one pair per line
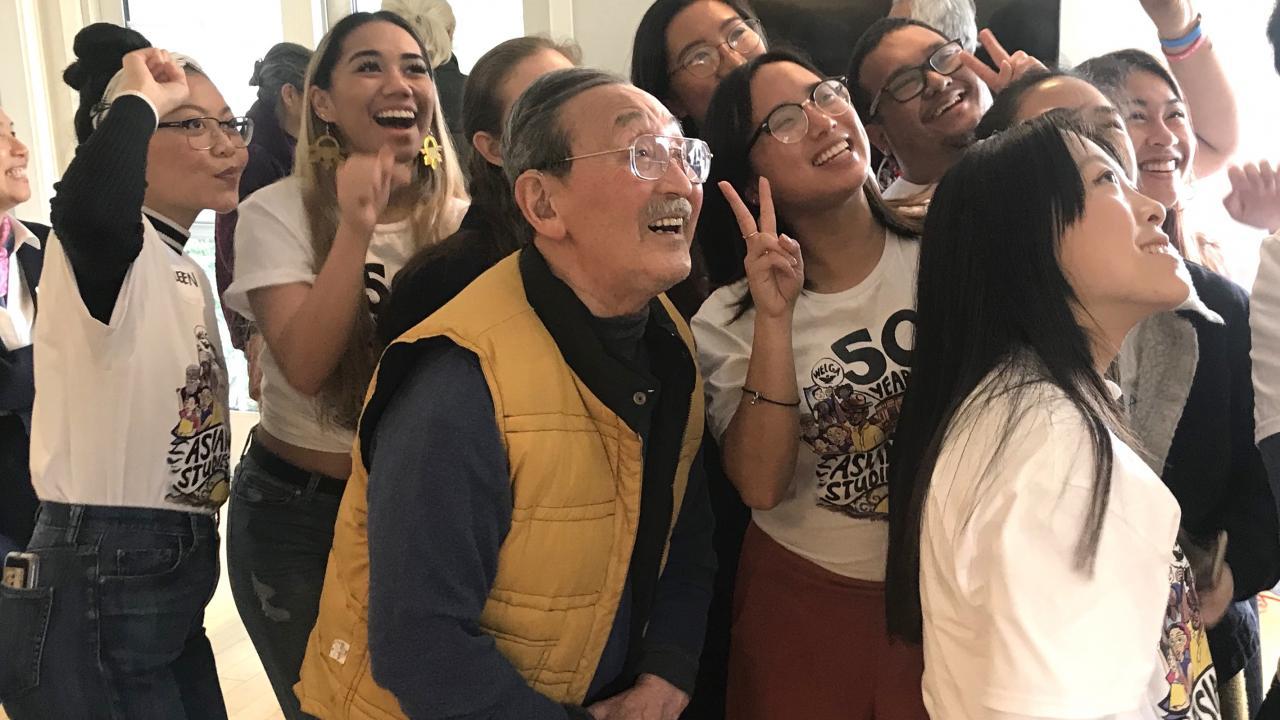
907, 83
202, 132
651, 155
788, 123
703, 61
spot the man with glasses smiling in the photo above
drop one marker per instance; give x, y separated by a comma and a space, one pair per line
921, 95
538, 536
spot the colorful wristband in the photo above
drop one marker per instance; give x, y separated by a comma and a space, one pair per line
1184, 54
1177, 43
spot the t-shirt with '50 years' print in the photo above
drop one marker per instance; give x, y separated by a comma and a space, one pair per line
852, 357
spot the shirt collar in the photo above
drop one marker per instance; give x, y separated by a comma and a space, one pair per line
173, 234
22, 236
1193, 303
567, 319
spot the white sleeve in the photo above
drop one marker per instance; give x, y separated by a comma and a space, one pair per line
724, 353
1264, 328
273, 247
1061, 643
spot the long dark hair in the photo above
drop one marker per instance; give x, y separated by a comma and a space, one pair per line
482, 111
729, 129
649, 69
1005, 204
1109, 73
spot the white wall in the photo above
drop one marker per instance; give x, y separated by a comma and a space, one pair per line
606, 29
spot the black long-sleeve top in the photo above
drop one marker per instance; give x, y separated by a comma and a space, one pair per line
97, 209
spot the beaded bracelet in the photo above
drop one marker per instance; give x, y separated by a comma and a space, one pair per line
1192, 35
1184, 54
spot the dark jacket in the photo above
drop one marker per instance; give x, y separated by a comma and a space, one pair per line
1210, 462
17, 393
449, 85
270, 159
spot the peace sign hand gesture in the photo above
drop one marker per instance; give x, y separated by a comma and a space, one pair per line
1011, 67
774, 267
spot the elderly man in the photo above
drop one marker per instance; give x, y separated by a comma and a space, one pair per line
527, 531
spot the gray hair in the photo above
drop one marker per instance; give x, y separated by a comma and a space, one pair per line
434, 21
535, 138
284, 64
954, 19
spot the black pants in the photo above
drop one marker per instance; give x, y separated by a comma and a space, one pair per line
18, 501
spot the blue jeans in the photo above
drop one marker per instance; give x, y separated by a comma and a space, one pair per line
115, 627
278, 540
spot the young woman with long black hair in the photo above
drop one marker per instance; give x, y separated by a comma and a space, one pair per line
1032, 548
375, 181
807, 345
1186, 373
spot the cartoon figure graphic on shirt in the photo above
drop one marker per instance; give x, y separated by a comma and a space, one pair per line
850, 409
199, 452
1191, 692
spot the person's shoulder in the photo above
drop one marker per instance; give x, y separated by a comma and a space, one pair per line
282, 198
721, 306
40, 230
1218, 292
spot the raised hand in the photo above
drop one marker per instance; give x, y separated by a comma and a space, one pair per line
1255, 196
1011, 67
774, 266
153, 73
1172, 18
364, 184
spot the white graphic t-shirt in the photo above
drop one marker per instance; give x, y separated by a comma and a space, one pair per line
1190, 687
273, 247
1012, 627
852, 355
132, 413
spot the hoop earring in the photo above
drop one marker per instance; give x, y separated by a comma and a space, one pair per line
432, 154
887, 172
326, 151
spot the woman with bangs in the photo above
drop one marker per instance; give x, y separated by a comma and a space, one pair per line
806, 351
375, 181
1187, 375
1032, 548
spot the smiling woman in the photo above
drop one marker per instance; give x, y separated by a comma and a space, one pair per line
807, 342
376, 180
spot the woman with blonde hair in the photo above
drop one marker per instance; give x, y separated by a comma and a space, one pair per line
376, 180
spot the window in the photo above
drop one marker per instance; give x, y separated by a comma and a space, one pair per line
225, 39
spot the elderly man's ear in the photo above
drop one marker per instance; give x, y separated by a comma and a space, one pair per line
534, 192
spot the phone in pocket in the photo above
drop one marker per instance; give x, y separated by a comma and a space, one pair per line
21, 570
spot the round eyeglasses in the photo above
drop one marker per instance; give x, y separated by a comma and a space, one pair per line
907, 83
651, 155
788, 123
202, 132
702, 61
